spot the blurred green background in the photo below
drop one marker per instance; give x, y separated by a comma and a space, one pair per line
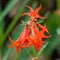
12, 24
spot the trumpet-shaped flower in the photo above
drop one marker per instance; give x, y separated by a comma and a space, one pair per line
21, 41
32, 33
39, 33
33, 14
37, 36
43, 27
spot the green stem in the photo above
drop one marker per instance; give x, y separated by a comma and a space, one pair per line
1, 34
58, 4
1, 29
34, 52
28, 53
39, 53
58, 11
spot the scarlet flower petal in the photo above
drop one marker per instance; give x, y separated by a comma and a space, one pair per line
10, 39
26, 14
43, 27
22, 40
37, 9
38, 16
17, 49
12, 45
44, 36
15, 44
23, 35
31, 10
33, 14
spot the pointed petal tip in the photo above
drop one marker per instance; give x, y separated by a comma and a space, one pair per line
31, 10
40, 5
10, 39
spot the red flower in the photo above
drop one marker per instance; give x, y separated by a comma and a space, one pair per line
39, 33
43, 27
37, 43
32, 34
15, 44
22, 40
36, 37
33, 14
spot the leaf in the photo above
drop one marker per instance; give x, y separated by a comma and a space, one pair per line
9, 6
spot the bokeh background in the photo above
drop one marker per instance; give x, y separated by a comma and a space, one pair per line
12, 24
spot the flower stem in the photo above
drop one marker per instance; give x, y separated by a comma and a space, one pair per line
28, 53
42, 49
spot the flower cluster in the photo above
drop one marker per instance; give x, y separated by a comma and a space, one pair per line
32, 34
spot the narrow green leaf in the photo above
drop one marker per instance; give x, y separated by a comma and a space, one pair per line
43, 47
6, 54
14, 20
9, 6
16, 17
58, 4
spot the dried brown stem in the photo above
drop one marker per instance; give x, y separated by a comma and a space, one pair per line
36, 58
